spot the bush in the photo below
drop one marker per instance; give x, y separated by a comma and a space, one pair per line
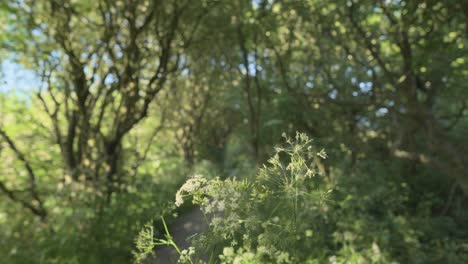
292, 212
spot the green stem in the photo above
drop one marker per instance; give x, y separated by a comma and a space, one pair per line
170, 241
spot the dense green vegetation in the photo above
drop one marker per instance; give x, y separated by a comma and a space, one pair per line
138, 110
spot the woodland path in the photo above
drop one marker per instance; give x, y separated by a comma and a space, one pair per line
182, 228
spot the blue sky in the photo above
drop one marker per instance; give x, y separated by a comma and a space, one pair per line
16, 79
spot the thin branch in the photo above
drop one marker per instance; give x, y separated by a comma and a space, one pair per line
39, 210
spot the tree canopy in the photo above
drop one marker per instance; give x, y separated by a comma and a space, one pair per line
127, 100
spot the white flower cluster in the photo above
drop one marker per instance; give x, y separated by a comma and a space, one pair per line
190, 186
223, 197
230, 255
186, 255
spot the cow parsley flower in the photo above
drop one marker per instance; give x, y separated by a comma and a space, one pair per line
189, 187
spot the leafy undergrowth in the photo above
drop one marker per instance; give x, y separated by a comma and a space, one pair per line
294, 212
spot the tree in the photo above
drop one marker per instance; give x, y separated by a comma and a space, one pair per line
99, 77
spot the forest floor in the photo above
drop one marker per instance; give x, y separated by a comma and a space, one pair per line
182, 228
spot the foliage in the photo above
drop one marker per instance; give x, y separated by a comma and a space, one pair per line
292, 213
121, 100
